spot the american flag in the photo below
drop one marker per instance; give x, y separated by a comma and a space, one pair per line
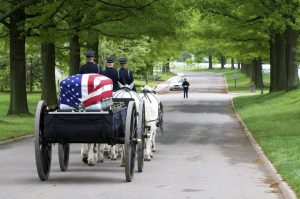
87, 89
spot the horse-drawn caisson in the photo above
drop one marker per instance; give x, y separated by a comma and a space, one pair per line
87, 114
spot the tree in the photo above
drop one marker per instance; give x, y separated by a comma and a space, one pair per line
273, 24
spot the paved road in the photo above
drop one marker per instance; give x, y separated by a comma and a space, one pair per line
204, 154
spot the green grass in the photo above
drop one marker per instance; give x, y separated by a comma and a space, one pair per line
15, 126
274, 121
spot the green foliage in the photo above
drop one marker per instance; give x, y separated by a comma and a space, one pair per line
4, 65
136, 51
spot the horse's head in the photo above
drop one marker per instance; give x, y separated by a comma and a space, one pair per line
146, 89
126, 86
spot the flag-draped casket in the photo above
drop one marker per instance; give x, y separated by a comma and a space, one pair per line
93, 91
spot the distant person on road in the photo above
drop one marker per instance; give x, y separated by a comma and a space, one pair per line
125, 75
91, 66
185, 85
111, 72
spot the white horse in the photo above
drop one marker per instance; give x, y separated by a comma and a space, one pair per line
117, 150
91, 153
152, 103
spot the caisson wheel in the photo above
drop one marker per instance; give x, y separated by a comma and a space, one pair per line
130, 141
141, 137
43, 150
63, 156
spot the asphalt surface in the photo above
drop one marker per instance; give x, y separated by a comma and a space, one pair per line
203, 154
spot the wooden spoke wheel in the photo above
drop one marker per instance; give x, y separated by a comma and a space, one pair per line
130, 141
43, 150
63, 156
141, 136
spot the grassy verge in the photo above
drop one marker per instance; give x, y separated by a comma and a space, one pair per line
274, 121
15, 126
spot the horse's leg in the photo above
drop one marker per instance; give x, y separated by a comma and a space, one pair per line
113, 152
153, 141
84, 152
92, 158
149, 144
121, 151
101, 152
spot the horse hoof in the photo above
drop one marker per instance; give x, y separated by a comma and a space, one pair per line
113, 158
122, 164
101, 161
91, 164
154, 150
147, 158
85, 159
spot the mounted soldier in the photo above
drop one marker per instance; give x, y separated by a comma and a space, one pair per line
111, 72
90, 66
125, 75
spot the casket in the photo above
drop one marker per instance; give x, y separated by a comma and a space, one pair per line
92, 91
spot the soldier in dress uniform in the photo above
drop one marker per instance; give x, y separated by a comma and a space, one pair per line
185, 85
111, 72
124, 75
91, 66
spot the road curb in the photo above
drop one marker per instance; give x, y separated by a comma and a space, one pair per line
16, 139
285, 189
283, 186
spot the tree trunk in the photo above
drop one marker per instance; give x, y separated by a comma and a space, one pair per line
272, 63
247, 69
210, 66
243, 68
239, 65
278, 63
74, 55
252, 71
48, 82
257, 66
18, 98
291, 65
94, 45
166, 67
232, 63
223, 61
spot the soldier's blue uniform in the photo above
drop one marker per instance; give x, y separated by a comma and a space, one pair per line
124, 75
185, 86
112, 73
90, 67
